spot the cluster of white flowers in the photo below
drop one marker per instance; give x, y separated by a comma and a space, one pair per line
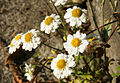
61, 65
75, 16
29, 71
28, 41
75, 44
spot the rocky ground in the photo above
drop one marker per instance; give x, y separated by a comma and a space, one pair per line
18, 16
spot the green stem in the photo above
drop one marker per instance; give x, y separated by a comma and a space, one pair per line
56, 10
77, 59
61, 17
87, 65
112, 6
51, 47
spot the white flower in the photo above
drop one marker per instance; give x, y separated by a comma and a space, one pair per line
50, 23
29, 71
61, 65
76, 43
30, 40
75, 16
59, 2
15, 43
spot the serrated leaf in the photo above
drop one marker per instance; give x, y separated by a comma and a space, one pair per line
78, 81
108, 27
86, 76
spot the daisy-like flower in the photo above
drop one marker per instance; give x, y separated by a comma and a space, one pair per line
29, 71
75, 16
50, 23
30, 40
62, 64
76, 43
59, 2
15, 43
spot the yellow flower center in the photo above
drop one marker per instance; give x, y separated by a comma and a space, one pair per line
11, 45
76, 13
61, 64
18, 37
28, 37
76, 42
48, 20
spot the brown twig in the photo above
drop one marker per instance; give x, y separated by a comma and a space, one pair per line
102, 26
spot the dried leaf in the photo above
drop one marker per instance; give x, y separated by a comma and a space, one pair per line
13, 61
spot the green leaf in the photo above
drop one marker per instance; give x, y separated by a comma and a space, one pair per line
81, 56
118, 68
86, 76
98, 71
79, 72
21, 68
114, 75
78, 81
77, 58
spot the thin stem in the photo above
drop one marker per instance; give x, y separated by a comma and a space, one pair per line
102, 26
77, 59
51, 47
87, 65
64, 25
38, 70
96, 26
112, 6
113, 32
61, 18
47, 68
56, 10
